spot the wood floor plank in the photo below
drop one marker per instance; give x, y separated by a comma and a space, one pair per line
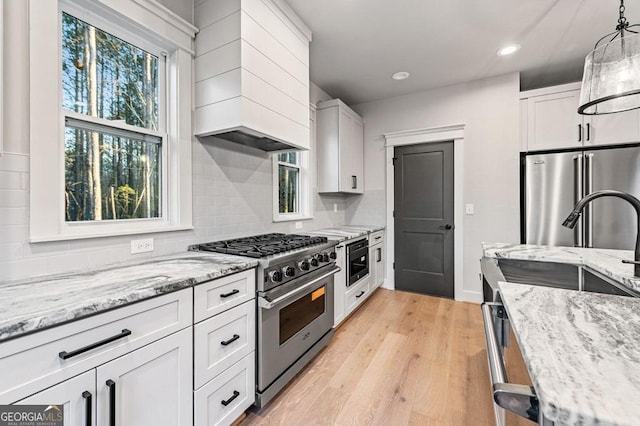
401, 359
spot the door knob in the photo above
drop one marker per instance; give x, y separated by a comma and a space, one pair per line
447, 226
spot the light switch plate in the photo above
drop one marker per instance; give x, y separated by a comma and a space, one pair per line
468, 209
141, 246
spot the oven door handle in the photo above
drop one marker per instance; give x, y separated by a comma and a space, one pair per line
268, 304
520, 399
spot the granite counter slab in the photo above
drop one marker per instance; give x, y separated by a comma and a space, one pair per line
582, 351
605, 261
33, 304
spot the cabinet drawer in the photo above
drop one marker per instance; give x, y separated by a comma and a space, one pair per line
222, 340
34, 362
376, 237
235, 388
358, 294
217, 296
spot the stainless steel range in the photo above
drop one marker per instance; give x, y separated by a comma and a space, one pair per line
294, 282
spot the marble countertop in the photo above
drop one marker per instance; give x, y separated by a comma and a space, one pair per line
582, 351
33, 304
346, 232
605, 261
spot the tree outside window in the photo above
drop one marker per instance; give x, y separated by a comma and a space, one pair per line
113, 150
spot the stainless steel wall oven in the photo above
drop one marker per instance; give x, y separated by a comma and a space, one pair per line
357, 260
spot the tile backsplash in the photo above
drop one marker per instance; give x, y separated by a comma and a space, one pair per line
232, 196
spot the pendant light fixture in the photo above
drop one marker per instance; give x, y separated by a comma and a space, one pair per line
611, 79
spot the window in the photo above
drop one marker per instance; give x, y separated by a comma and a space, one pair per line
291, 192
110, 119
110, 100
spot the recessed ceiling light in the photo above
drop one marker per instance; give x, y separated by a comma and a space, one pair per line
402, 75
509, 50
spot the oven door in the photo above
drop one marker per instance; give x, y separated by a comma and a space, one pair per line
357, 261
291, 319
514, 404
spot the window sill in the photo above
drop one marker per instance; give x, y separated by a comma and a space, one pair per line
292, 218
67, 237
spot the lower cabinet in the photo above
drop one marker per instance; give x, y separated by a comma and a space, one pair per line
226, 397
376, 259
357, 293
77, 396
150, 386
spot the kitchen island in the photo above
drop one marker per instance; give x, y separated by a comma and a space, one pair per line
581, 349
582, 352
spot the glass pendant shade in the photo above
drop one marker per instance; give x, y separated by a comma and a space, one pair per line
611, 79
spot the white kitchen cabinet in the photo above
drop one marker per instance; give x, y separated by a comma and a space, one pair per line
150, 386
550, 121
142, 351
376, 259
339, 285
77, 396
357, 293
340, 146
224, 348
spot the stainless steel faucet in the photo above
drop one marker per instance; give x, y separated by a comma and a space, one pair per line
572, 219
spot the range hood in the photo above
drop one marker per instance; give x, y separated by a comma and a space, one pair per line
252, 74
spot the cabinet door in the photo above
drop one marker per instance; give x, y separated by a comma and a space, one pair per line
378, 259
339, 286
346, 152
608, 129
357, 155
150, 386
553, 121
76, 396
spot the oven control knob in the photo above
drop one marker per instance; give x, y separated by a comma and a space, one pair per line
324, 257
275, 276
333, 255
288, 271
314, 260
303, 265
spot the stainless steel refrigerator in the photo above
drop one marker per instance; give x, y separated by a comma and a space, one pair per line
553, 182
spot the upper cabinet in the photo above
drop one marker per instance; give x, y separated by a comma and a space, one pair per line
340, 148
550, 120
252, 73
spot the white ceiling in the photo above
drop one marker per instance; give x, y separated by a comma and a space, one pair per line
358, 44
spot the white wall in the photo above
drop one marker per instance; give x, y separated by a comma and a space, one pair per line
232, 186
490, 110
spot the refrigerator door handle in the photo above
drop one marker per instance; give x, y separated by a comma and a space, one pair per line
577, 196
588, 211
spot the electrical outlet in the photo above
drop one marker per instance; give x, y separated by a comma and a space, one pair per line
298, 225
141, 246
468, 209
335, 208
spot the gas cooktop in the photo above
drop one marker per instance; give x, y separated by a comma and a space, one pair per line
261, 245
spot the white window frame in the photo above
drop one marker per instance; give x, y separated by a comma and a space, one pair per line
162, 32
303, 192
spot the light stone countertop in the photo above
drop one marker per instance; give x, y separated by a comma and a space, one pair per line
607, 262
582, 351
346, 232
33, 304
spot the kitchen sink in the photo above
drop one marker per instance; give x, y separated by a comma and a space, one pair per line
547, 274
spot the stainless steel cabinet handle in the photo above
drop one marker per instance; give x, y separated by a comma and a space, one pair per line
88, 407
520, 399
577, 196
588, 210
66, 355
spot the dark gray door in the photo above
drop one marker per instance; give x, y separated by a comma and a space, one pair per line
423, 183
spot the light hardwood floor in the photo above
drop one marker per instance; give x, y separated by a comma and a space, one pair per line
401, 359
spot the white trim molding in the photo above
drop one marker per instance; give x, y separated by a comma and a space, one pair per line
453, 133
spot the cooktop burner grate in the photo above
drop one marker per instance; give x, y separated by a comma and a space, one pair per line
261, 245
